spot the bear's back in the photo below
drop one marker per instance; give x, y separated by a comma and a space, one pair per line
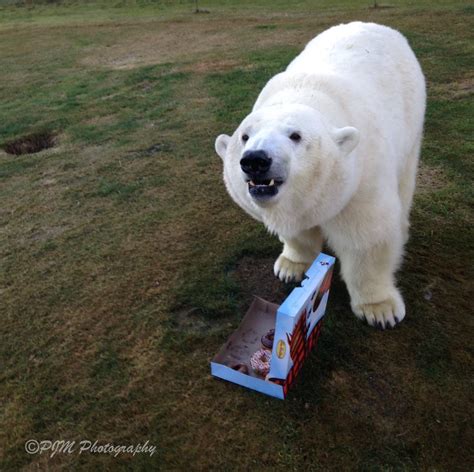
356, 50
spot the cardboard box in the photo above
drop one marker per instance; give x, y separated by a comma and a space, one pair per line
297, 323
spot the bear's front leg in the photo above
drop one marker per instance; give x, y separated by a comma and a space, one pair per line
298, 254
369, 276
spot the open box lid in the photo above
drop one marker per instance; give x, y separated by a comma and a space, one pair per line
299, 314
297, 323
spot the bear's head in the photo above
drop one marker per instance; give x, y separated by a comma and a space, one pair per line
286, 160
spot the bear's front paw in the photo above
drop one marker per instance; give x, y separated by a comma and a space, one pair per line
382, 315
289, 271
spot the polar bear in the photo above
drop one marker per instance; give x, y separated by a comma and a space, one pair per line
330, 152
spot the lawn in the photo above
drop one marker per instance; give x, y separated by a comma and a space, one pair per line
124, 265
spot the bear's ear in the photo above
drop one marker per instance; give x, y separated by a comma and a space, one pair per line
346, 138
221, 145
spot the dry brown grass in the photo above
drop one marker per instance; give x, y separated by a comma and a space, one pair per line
210, 44
184, 41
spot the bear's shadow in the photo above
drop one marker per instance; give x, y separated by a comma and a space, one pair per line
254, 277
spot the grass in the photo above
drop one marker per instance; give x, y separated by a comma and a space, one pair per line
125, 266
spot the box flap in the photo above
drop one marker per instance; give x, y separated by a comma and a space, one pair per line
299, 314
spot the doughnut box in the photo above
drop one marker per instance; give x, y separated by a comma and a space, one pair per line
297, 324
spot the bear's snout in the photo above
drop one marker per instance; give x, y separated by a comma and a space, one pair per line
255, 163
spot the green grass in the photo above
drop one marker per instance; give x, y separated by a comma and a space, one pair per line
125, 265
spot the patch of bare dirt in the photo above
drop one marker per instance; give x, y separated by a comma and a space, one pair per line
456, 90
101, 120
48, 233
191, 320
214, 65
430, 179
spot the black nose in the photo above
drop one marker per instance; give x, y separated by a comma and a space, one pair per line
255, 162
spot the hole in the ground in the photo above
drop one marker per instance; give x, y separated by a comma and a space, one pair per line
30, 144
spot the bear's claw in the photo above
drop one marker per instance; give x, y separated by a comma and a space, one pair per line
385, 314
289, 271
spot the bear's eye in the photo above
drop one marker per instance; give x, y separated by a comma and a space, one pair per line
245, 138
295, 137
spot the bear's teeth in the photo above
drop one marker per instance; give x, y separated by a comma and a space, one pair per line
272, 182
251, 183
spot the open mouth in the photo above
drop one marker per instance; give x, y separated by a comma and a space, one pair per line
263, 188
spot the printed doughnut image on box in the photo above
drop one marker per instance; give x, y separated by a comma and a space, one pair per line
268, 349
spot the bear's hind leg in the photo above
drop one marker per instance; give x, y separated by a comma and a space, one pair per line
369, 276
407, 186
297, 255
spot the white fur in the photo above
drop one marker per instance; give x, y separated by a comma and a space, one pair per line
356, 94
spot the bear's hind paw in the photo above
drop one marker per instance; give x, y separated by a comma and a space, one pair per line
289, 271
